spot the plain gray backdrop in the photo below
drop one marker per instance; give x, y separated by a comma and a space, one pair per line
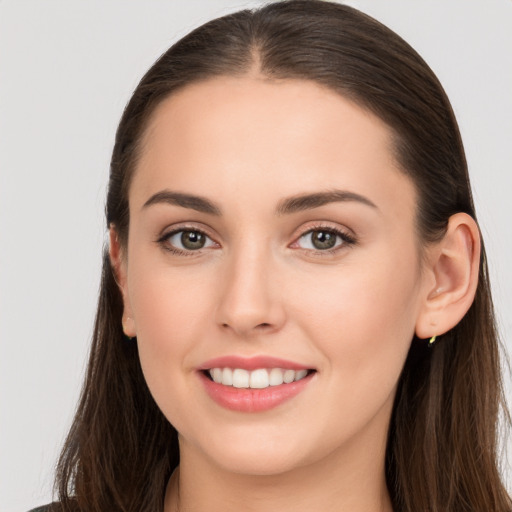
67, 68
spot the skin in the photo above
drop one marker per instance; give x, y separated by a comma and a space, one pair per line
260, 287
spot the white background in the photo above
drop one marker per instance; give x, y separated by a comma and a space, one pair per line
67, 68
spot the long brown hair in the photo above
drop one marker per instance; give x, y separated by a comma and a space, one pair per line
442, 447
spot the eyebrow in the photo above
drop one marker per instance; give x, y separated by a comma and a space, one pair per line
198, 203
309, 201
287, 206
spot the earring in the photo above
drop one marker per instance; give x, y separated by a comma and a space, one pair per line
431, 341
130, 338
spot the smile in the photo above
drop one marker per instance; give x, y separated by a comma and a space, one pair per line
254, 384
260, 378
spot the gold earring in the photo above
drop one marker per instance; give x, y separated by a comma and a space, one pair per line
124, 330
432, 340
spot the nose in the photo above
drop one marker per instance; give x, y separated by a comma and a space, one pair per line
250, 295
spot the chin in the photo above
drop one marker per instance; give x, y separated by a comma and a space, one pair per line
259, 464
256, 455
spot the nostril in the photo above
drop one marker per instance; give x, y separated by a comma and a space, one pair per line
263, 325
249, 328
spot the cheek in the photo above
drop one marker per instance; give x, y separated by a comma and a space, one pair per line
362, 317
168, 311
166, 301
361, 322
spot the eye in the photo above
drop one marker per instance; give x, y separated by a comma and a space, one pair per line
324, 239
186, 241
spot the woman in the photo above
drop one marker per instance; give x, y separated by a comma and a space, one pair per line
295, 310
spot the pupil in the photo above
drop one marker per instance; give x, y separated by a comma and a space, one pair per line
324, 239
192, 240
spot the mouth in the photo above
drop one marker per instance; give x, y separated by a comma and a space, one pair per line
259, 378
255, 384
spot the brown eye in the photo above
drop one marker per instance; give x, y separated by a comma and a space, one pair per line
187, 240
324, 239
192, 240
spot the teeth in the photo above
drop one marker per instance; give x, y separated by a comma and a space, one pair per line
227, 377
300, 374
257, 379
217, 375
240, 378
289, 376
276, 377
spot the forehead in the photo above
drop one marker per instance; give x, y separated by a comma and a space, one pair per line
254, 109
252, 136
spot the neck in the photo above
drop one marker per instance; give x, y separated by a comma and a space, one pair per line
356, 485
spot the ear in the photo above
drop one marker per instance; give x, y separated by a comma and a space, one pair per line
119, 267
451, 277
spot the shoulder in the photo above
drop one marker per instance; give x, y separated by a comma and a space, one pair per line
57, 506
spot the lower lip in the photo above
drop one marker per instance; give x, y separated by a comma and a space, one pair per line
253, 400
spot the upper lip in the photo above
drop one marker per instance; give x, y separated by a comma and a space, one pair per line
251, 363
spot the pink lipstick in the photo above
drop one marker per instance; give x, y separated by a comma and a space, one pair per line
253, 384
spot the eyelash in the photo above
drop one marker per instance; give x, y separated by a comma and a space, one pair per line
164, 240
347, 240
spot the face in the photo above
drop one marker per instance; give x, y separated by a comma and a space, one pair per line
271, 237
